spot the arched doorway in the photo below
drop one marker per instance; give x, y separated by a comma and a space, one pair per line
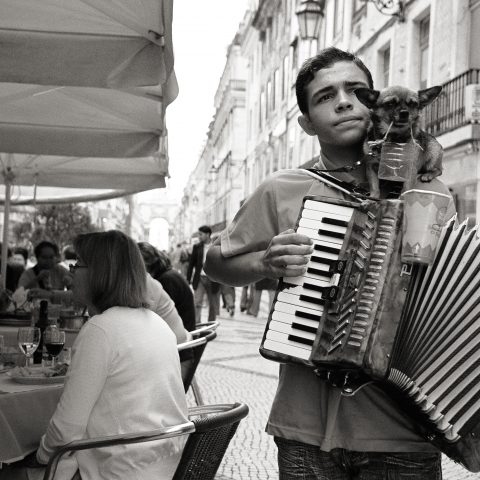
159, 234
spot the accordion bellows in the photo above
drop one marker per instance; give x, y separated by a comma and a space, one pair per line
413, 329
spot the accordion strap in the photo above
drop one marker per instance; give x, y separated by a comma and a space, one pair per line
353, 191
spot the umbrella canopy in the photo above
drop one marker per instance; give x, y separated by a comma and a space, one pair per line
90, 43
85, 78
79, 178
83, 89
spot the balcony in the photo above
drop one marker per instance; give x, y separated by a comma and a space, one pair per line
447, 112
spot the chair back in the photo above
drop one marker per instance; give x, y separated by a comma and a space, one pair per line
215, 426
210, 429
196, 347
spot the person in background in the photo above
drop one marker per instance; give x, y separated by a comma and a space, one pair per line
20, 256
124, 374
159, 267
69, 256
266, 284
47, 275
201, 284
179, 258
14, 271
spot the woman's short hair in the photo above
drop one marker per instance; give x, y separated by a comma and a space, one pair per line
46, 244
116, 272
162, 261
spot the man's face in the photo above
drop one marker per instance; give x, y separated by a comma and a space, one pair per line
335, 115
204, 237
47, 258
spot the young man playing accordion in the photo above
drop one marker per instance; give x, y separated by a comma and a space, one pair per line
320, 433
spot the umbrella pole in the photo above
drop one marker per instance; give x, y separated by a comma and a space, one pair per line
6, 219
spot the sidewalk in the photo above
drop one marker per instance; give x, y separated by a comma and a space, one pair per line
232, 370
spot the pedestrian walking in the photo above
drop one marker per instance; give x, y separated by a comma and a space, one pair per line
202, 285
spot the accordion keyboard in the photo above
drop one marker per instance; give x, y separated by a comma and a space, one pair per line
298, 308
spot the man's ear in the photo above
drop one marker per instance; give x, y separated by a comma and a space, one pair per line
367, 96
427, 96
306, 125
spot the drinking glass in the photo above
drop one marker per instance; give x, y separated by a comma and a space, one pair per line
54, 340
28, 339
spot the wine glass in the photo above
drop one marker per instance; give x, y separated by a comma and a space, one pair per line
28, 339
54, 340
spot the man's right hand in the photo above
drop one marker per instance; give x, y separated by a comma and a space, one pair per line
287, 255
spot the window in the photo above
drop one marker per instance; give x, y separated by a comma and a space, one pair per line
465, 197
285, 77
261, 110
294, 56
385, 60
276, 88
269, 101
338, 18
423, 42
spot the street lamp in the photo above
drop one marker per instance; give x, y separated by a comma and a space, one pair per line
309, 15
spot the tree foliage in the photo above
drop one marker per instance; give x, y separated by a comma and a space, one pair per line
57, 223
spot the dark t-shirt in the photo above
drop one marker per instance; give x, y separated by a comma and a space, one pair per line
179, 291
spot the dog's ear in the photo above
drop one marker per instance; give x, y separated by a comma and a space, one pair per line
427, 96
367, 96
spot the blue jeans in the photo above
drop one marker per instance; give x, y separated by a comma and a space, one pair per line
300, 461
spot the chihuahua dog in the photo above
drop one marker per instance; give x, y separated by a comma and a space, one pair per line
395, 117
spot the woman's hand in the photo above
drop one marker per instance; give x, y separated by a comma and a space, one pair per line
287, 255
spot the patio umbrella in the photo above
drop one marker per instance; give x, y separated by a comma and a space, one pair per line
83, 89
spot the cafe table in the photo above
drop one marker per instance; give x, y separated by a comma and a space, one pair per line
25, 411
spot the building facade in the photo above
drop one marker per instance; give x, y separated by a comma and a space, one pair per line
416, 43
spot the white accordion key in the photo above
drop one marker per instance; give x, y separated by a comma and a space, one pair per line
287, 349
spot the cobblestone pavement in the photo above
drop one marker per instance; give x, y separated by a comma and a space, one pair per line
231, 371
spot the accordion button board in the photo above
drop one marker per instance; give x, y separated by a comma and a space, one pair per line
317, 317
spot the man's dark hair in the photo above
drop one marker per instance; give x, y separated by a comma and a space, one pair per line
46, 244
325, 59
205, 229
22, 251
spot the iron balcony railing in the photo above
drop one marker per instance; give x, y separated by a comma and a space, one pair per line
447, 112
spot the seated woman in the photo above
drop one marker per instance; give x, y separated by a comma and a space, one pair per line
160, 268
125, 371
47, 276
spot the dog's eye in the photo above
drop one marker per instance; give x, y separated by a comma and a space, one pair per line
389, 103
412, 103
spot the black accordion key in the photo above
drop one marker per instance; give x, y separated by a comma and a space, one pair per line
296, 338
310, 316
335, 221
329, 233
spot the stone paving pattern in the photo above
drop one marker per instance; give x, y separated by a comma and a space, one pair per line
232, 370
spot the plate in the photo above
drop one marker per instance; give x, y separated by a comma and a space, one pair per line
15, 322
35, 379
40, 380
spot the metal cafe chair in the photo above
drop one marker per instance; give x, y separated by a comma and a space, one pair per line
210, 429
205, 333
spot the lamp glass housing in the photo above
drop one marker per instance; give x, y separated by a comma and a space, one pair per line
309, 15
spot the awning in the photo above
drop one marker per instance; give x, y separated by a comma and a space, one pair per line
84, 85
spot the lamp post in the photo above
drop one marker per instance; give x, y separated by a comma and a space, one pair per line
309, 15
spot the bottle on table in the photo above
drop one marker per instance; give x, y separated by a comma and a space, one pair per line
42, 324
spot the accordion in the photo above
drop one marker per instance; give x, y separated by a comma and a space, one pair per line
358, 310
